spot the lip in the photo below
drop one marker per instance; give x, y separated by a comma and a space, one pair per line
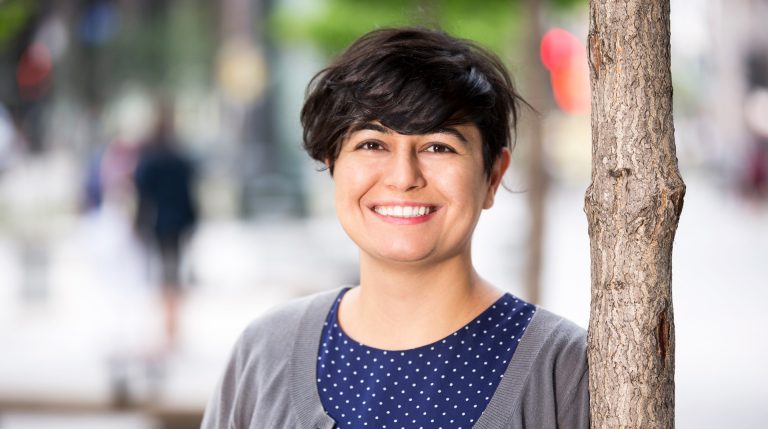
404, 220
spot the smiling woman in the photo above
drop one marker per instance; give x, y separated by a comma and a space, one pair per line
415, 127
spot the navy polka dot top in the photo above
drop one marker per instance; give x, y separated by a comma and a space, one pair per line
446, 384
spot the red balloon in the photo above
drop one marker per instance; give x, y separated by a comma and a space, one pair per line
566, 59
558, 47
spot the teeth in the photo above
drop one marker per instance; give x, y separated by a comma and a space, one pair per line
402, 211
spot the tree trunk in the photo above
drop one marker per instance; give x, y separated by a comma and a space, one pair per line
536, 84
633, 206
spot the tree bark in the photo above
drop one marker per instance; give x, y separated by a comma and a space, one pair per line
633, 206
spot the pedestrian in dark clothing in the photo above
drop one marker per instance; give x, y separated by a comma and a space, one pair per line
166, 213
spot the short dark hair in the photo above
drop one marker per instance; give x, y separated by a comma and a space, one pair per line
413, 81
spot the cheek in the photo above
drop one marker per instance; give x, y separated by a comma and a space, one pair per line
351, 184
464, 184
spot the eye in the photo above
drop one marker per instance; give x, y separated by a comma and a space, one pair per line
439, 148
370, 145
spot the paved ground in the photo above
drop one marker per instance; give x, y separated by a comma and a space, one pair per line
86, 317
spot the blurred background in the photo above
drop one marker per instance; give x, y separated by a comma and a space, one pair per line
112, 318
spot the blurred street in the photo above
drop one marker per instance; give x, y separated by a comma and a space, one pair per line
89, 342
92, 331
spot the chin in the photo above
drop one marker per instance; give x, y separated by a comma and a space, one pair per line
404, 254
404, 259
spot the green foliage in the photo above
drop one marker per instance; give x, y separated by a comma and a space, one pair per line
339, 22
190, 43
497, 24
566, 4
14, 15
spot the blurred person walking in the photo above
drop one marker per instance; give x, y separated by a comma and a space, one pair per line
166, 212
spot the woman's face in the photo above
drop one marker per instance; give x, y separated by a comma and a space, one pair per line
413, 198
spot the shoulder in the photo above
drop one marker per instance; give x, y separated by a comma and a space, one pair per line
556, 386
270, 332
561, 351
559, 337
259, 366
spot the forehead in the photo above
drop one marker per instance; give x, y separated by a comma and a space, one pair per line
465, 133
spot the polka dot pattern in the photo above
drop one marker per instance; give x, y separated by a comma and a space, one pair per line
446, 384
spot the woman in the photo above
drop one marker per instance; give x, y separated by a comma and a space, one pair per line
414, 127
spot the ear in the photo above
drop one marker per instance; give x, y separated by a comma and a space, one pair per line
497, 173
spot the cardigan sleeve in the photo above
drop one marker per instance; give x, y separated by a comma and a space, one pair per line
573, 411
256, 370
220, 411
258, 387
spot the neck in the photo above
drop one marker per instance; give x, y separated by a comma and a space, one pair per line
400, 307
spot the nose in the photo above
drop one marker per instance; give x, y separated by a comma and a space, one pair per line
404, 172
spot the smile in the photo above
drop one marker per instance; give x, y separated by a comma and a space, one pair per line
404, 211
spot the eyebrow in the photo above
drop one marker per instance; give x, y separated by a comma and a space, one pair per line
382, 129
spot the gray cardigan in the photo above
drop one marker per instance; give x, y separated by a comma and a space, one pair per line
270, 380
